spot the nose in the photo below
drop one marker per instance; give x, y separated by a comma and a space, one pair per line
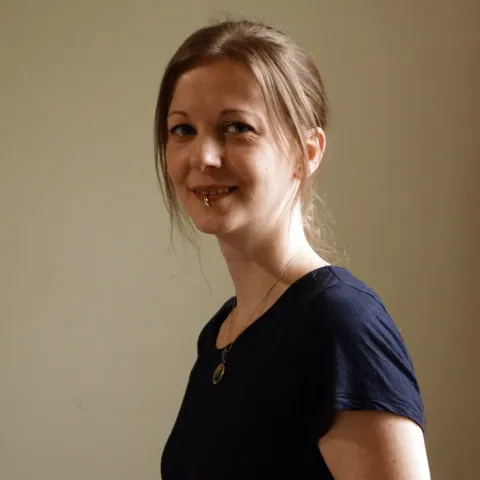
206, 152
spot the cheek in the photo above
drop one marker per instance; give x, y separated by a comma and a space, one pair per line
170, 169
175, 168
252, 164
171, 176
177, 175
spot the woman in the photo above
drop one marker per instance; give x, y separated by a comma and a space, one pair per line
302, 374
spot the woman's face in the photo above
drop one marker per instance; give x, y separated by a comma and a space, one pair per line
221, 144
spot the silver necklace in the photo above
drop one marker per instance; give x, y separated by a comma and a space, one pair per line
220, 370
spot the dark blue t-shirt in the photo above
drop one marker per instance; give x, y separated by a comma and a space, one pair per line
327, 344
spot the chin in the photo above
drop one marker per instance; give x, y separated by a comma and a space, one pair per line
222, 218
212, 227
215, 223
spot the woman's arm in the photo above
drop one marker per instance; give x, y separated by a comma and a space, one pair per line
373, 445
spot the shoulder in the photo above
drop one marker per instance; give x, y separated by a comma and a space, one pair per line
356, 357
345, 306
338, 288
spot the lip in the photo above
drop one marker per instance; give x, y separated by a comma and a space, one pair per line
202, 188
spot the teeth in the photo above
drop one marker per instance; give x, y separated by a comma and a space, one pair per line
217, 192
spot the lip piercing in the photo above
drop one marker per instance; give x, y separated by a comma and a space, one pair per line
205, 201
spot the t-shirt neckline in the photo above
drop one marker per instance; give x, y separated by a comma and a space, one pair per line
291, 289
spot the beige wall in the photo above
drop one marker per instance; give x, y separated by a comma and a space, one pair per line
98, 317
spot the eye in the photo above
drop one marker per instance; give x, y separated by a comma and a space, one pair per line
237, 127
182, 130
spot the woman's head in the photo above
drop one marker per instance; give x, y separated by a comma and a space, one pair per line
240, 105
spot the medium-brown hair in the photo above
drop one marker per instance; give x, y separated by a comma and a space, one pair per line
291, 85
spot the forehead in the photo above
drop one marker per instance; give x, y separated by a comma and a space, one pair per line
218, 85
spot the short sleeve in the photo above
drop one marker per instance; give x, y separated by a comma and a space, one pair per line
357, 360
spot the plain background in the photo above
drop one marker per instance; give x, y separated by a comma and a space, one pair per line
99, 317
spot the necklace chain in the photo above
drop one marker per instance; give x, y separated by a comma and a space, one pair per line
226, 350
220, 370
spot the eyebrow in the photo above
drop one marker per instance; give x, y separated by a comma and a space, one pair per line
223, 112
177, 112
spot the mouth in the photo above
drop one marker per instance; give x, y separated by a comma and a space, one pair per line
214, 193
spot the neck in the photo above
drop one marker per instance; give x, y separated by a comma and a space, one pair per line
255, 263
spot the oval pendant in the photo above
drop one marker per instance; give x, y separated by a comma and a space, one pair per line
218, 373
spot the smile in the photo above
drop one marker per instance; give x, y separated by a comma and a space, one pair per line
215, 191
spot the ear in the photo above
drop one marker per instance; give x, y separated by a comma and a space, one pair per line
315, 142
